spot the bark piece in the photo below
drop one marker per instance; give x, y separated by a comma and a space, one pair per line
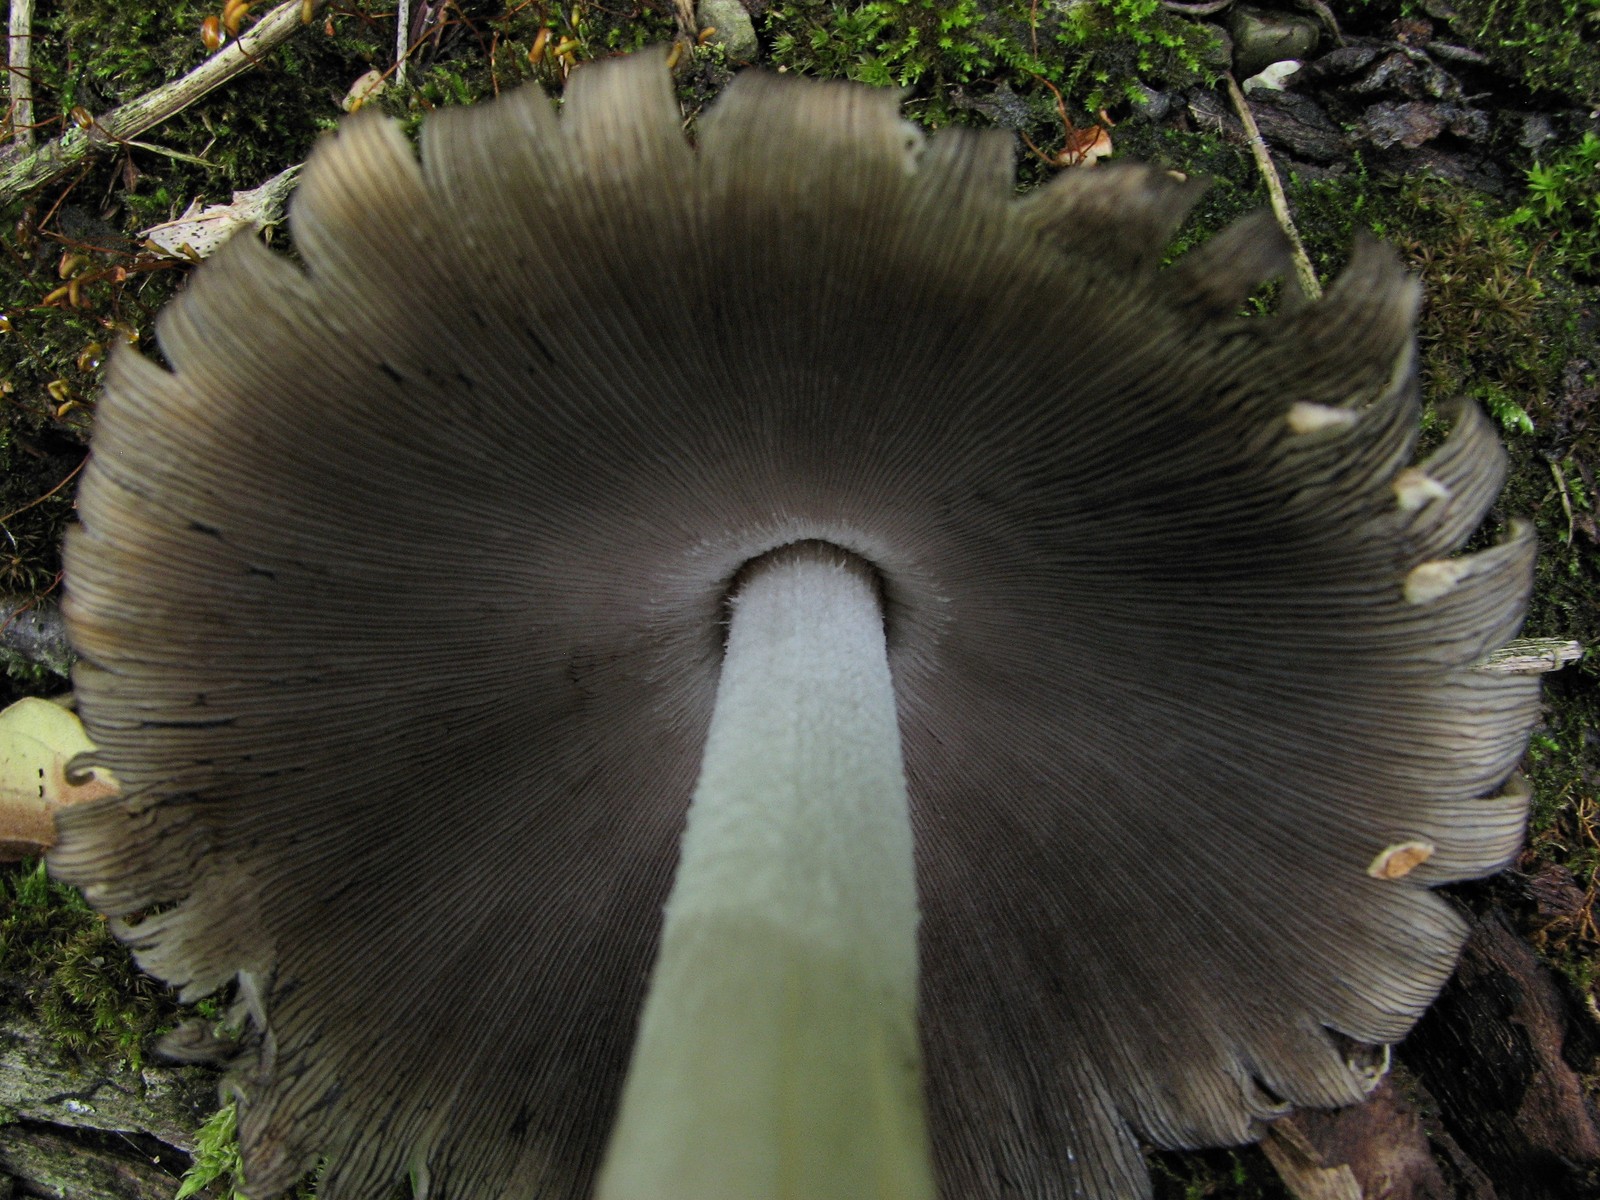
1297, 124
50, 1162
39, 1087
1390, 1148
79, 1130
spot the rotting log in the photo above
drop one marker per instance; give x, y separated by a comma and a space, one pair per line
79, 1130
1505, 1053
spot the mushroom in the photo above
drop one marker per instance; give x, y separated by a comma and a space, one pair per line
576, 470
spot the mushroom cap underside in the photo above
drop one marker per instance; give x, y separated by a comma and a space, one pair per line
399, 595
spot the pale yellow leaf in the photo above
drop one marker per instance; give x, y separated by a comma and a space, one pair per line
38, 740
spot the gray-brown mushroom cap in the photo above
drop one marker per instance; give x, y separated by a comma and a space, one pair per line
399, 599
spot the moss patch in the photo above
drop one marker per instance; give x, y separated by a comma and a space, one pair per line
1551, 45
957, 57
1243, 1174
59, 961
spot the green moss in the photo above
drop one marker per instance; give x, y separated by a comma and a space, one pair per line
217, 1171
1099, 53
1563, 758
1561, 212
1492, 327
216, 1157
59, 961
112, 51
1549, 44
1243, 1174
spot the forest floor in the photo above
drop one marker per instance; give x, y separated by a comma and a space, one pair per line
1468, 135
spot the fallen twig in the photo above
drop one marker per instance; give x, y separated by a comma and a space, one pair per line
1303, 270
1203, 9
53, 160
69, 477
683, 13
1324, 14
1566, 499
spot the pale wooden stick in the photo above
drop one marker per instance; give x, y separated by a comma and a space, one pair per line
20, 64
1532, 656
53, 160
402, 40
1303, 271
683, 12
1303, 1170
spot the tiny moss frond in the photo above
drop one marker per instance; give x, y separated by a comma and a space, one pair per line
216, 1157
1561, 211
1489, 327
217, 1169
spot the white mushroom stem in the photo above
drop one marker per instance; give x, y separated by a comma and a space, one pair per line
777, 1054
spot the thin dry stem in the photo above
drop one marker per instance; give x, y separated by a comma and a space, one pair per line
1304, 273
402, 39
20, 66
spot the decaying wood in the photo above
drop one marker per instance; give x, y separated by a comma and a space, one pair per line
1487, 1100
32, 632
1392, 1145
1504, 1054
43, 1161
1303, 1170
53, 160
